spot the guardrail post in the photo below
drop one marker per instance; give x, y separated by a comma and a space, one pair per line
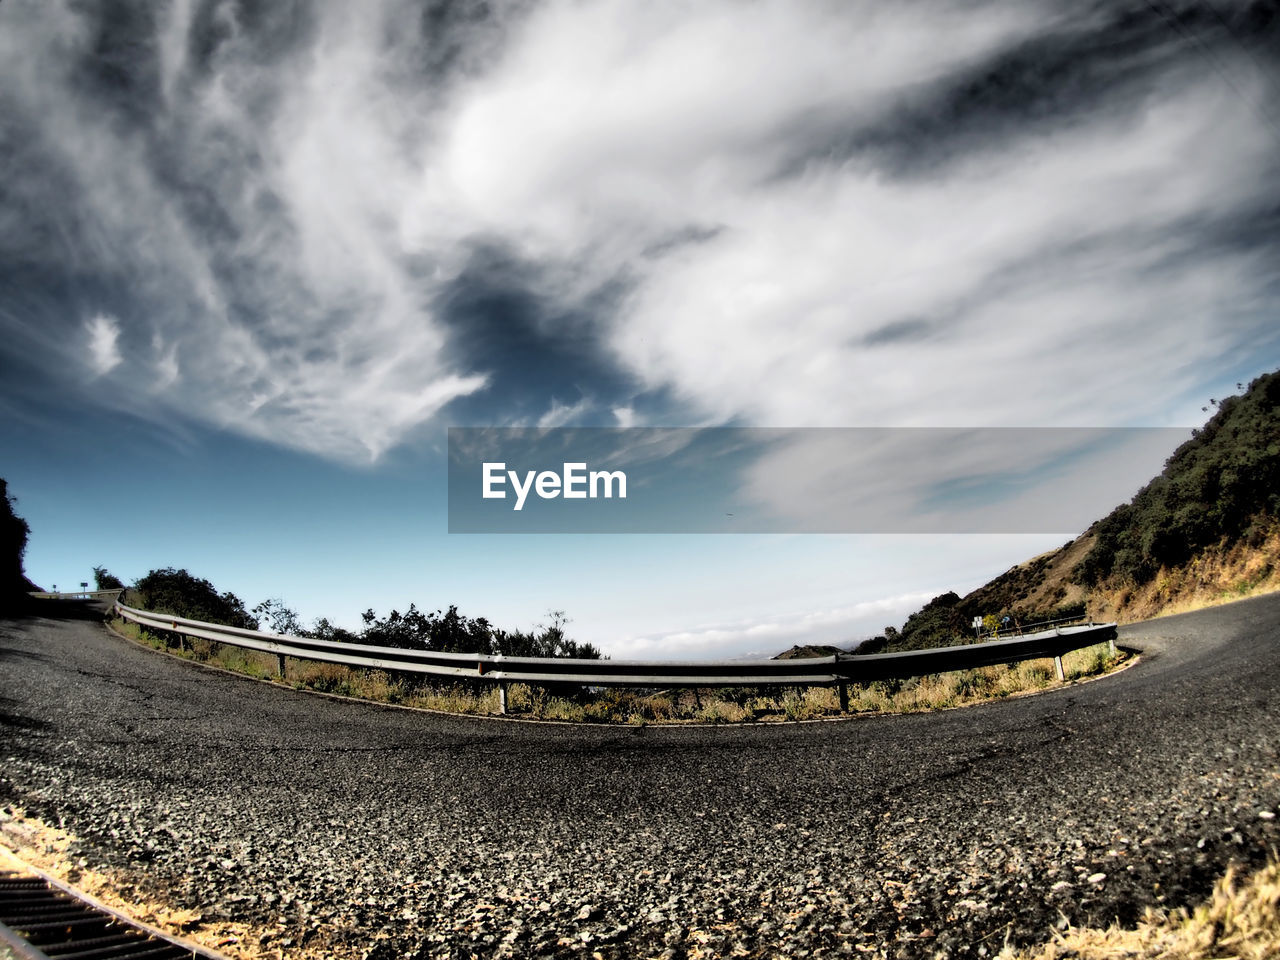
1057, 668
502, 699
842, 688
280, 665
1111, 648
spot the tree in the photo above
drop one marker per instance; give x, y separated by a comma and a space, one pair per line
1218, 485
279, 617
323, 629
14, 532
452, 632
178, 592
106, 580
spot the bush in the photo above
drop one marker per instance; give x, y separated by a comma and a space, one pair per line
1222, 483
105, 580
183, 595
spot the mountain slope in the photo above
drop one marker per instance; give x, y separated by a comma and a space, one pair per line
1203, 531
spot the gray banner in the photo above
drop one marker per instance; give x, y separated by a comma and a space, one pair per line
816, 480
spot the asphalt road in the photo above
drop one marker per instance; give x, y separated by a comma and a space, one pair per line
376, 832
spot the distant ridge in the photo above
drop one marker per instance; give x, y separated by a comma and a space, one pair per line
809, 650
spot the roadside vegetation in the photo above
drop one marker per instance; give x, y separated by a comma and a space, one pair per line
640, 707
1223, 483
180, 593
1241, 920
1205, 531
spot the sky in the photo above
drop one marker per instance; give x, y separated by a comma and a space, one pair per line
257, 258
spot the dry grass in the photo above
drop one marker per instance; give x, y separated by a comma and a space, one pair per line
1241, 920
48, 848
1218, 575
639, 708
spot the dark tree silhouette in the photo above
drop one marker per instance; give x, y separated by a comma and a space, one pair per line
14, 532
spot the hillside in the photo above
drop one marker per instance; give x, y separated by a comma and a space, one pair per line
1205, 530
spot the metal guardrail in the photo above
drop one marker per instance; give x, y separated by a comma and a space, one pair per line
838, 670
1021, 630
111, 595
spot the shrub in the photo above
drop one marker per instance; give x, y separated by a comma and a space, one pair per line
183, 595
104, 579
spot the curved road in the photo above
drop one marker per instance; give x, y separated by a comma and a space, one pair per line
382, 833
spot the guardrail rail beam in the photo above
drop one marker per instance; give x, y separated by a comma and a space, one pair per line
839, 670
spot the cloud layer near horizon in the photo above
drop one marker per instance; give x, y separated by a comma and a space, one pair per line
329, 230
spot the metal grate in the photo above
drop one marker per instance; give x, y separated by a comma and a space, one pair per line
44, 921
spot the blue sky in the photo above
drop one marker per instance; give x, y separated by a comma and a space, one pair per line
256, 259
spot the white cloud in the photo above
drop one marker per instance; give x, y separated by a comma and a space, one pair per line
769, 636
104, 353
167, 368
329, 192
312, 325
1046, 279
564, 414
1055, 274
172, 45
610, 124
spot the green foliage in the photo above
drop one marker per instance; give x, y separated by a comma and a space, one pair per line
279, 617
1216, 485
179, 593
943, 621
183, 595
973, 684
324, 630
872, 645
104, 579
451, 632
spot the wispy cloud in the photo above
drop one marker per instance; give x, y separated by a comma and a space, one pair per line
103, 332
563, 414
241, 188
781, 213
